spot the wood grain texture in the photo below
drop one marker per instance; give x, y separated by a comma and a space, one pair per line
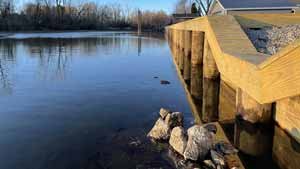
287, 116
227, 103
250, 110
197, 65
211, 85
286, 151
187, 55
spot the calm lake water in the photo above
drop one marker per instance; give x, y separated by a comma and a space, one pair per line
77, 100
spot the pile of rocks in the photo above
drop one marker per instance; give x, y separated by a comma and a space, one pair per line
197, 144
270, 40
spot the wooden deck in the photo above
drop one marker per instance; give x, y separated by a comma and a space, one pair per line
240, 82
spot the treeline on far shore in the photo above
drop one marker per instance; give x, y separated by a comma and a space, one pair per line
43, 15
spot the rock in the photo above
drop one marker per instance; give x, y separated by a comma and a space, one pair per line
219, 167
225, 148
217, 158
164, 112
209, 164
211, 127
160, 131
165, 82
174, 119
270, 40
200, 141
178, 140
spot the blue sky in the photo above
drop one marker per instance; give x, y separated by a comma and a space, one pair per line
166, 5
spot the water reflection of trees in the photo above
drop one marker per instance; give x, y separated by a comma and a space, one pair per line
54, 55
7, 56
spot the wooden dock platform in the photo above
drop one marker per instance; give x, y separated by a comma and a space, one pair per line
227, 80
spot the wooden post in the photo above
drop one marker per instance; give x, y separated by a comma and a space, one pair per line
187, 56
286, 145
253, 129
211, 85
197, 65
139, 22
227, 102
181, 50
176, 45
286, 150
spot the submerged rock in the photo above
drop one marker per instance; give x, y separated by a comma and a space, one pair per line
217, 158
165, 82
211, 127
164, 112
225, 148
174, 119
200, 142
160, 131
209, 164
178, 140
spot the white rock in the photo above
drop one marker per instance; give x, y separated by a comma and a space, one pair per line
164, 112
174, 119
217, 158
200, 142
178, 140
160, 131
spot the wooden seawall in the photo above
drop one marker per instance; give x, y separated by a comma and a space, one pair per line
228, 81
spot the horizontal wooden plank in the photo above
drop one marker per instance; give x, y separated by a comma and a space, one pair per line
257, 74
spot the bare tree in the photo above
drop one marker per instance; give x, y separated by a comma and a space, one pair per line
204, 6
180, 7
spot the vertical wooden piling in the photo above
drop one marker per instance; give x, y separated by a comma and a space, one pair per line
286, 150
187, 56
253, 130
181, 50
211, 85
139, 22
197, 65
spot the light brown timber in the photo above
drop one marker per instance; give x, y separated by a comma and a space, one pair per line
197, 65
187, 56
211, 84
227, 103
286, 150
287, 116
253, 125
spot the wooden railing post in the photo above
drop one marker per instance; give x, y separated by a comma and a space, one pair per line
211, 85
197, 65
253, 129
187, 56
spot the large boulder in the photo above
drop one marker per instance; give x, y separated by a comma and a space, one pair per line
160, 131
164, 112
200, 142
178, 140
174, 119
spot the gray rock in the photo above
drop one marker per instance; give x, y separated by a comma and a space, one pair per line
211, 128
160, 131
217, 158
225, 148
165, 82
174, 119
270, 40
164, 112
178, 140
200, 141
209, 164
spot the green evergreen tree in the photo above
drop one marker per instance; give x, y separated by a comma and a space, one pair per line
194, 8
